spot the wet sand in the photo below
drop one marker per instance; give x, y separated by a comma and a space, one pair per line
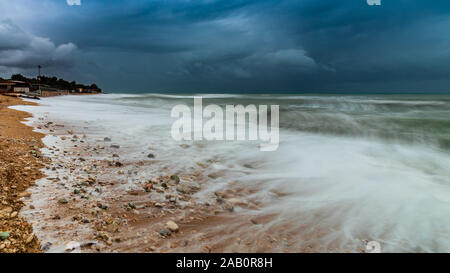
86, 199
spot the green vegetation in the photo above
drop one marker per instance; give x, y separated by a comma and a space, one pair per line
55, 83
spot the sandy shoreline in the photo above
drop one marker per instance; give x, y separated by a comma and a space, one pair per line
90, 193
74, 211
20, 164
95, 197
114, 182
100, 193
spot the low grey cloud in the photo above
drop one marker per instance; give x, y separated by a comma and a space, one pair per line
22, 50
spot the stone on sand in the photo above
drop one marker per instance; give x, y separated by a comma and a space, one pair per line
172, 226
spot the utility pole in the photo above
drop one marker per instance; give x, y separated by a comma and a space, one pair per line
39, 78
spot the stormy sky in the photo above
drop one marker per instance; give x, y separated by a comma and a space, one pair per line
231, 45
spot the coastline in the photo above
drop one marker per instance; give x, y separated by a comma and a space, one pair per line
102, 193
114, 182
20, 167
96, 197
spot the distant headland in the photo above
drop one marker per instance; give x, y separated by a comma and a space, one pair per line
43, 86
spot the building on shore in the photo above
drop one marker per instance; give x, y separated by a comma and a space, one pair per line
48, 91
22, 88
86, 91
6, 87
17, 87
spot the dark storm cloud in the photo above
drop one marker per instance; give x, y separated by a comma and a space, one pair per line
19, 49
235, 45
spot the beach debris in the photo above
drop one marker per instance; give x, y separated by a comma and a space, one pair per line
163, 232
175, 178
4, 235
46, 246
220, 194
29, 239
228, 207
151, 156
91, 180
115, 146
102, 206
35, 154
24, 194
107, 139
63, 201
235, 202
172, 226
132, 205
148, 187
188, 187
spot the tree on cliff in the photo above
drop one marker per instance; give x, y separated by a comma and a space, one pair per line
19, 77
